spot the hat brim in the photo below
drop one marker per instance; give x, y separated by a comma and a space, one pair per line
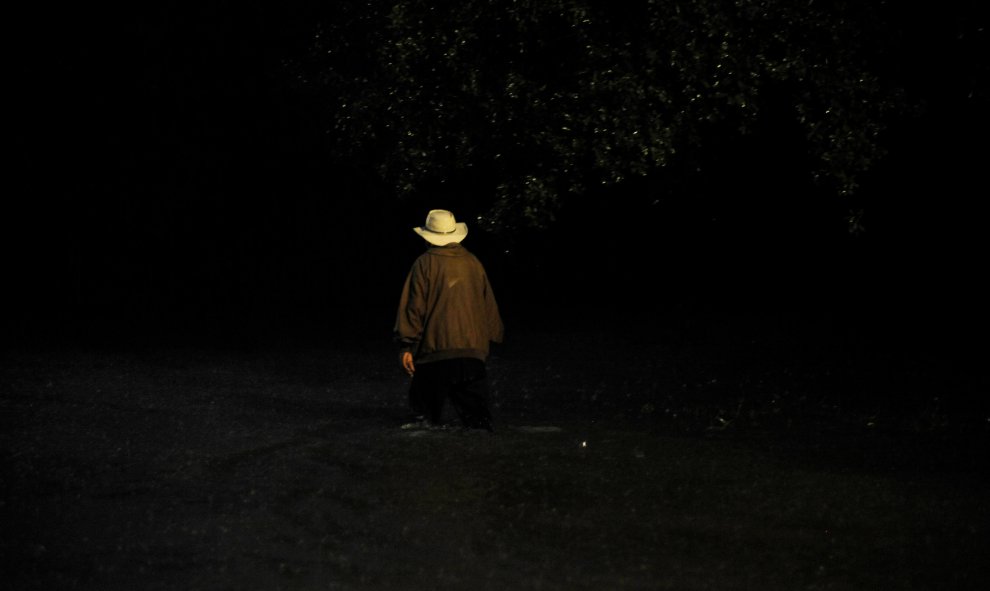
438, 239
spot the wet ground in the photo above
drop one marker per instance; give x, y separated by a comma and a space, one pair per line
284, 468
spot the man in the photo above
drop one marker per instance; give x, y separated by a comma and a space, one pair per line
447, 317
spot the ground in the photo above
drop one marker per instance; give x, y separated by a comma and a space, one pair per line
619, 463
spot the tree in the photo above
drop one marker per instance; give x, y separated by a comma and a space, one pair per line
536, 101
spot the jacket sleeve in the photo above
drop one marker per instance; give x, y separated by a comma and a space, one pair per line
411, 314
496, 330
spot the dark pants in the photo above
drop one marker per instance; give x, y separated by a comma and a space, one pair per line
463, 381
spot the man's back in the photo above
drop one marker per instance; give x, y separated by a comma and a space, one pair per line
447, 307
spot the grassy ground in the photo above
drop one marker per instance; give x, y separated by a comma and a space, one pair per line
663, 469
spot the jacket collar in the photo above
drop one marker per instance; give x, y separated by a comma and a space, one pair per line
454, 249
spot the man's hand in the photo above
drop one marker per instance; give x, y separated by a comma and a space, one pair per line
407, 363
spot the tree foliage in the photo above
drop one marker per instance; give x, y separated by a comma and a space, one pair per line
534, 101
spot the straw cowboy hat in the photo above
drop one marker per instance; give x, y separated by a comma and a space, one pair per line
441, 228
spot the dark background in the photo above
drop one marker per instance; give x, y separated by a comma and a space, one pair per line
197, 384
169, 186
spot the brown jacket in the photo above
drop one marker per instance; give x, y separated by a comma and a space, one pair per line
447, 309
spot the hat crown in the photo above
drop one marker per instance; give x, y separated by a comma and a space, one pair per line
441, 221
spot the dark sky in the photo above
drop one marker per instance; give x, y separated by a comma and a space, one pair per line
167, 182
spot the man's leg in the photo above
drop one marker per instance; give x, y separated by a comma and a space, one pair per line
428, 391
469, 394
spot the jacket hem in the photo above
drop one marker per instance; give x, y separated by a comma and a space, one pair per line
452, 354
